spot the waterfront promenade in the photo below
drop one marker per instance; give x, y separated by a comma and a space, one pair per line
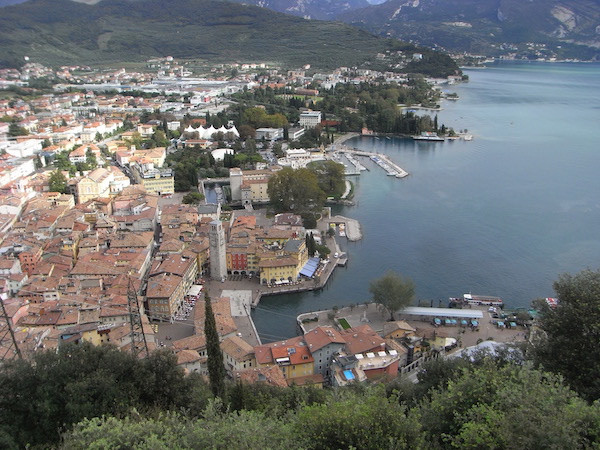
376, 316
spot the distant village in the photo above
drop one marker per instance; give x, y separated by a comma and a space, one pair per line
115, 245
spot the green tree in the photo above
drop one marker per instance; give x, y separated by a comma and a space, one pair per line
295, 191
192, 198
331, 177
323, 250
393, 292
57, 182
216, 368
90, 159
16, 130
311, 245
569, 345
160, 138
278, 150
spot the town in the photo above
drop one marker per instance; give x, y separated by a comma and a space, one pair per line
126, 196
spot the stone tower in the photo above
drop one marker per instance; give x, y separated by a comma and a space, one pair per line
235, 182
218, 261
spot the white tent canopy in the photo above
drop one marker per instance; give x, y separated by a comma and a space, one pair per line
443, 312
207, 133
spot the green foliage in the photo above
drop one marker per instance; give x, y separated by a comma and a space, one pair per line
433, 64
330, 176
186, 164
68, 32
309, 220
323, 250
372, 423
570, 345
504, 407
58, 389
16, 130
258, 118
311, 245
216, 368
100, 397
57, 182
240, 430
90, 159
192, 198
295, 191
393, 292
376, 106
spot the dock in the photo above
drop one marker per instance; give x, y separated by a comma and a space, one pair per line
352, 228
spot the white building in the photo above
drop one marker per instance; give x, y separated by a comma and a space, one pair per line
297, 158
270, 134
310, 119
23, 149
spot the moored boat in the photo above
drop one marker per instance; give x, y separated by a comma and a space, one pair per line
428, 136
483, 300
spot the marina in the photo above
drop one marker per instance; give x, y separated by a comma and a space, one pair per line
383, 161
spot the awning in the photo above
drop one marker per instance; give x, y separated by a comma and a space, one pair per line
310, 267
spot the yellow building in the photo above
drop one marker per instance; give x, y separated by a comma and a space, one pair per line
237, 354
95, 184
155, 181
275, 270
85, 332
284, 265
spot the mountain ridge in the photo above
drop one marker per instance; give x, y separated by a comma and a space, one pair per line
480, 25
314, 9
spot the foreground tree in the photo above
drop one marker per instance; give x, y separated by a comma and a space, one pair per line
393, 292
216, 368
569, 345
493, 406
54, 390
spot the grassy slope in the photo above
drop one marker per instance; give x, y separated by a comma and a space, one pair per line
64, 32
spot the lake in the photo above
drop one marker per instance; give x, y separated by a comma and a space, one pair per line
502, 215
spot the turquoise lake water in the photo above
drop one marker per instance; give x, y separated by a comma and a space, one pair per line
502, 215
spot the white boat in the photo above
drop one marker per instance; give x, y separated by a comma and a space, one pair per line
468, 137
428, 136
